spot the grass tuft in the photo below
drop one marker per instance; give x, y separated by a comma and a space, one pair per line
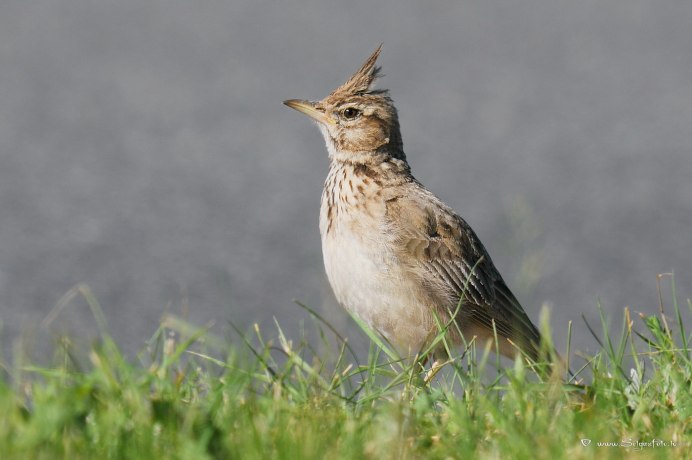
191, 395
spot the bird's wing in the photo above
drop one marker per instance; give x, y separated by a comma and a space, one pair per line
449, 260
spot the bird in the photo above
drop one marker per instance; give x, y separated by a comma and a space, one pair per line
396, 256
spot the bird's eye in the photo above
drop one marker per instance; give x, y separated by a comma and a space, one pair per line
350, 113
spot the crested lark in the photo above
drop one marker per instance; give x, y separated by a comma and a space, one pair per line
394, 253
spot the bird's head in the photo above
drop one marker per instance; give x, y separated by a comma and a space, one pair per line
355, 119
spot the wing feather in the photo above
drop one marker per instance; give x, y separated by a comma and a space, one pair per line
434, 241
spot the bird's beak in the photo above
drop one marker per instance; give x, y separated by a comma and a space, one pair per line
308, 108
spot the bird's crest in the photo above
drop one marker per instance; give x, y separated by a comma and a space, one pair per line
361, 81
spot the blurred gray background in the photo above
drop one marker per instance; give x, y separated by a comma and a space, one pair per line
145, 152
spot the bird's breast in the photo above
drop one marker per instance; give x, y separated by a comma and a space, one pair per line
363, 268
355, 244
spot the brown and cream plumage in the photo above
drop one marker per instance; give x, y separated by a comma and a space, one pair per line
394, 253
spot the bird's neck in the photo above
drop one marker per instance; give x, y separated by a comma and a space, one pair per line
378, 167
367, 158
358, 184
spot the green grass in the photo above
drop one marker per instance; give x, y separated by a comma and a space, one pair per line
191, 396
